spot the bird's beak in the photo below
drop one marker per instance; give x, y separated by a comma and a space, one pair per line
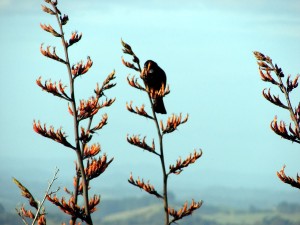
149, 65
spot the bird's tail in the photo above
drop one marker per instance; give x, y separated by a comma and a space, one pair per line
159, 106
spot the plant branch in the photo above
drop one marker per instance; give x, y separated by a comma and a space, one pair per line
265, 64
172, 123
286, 94
76, 125
45, 196
161, 155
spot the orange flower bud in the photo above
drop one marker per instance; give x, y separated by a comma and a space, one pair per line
134, 83
286, 179
51, 55
80, 69
184, 211
172, 123
177, 169
146, 187
57, 135
50, 29
75, 37
135, 140
91, 151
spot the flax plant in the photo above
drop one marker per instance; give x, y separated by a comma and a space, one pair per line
173, 122
267, 70
89, 164
39, 216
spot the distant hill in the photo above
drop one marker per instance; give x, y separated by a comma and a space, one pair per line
148, 211
231, 205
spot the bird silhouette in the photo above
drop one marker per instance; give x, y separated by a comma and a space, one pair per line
155, 80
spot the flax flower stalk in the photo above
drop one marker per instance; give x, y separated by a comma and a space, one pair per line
171, 125
266, 70
88, 165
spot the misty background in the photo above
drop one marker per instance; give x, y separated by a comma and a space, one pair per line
205, 48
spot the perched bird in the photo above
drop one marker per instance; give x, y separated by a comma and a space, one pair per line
155, 81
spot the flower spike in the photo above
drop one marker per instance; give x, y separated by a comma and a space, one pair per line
140, 111
75, 37
96, 167
50, 29
80, 69
177, 169
26, 193
172, 123
57, 90
135, 140
273, 99
64, 19
142, 185
292, 84
280, 129
51, 55
286, 179
88, 108
129, 65
91, 151
133, 82
57, 135
48, 10
101, 124
184, 211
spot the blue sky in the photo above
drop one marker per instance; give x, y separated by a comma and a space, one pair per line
206, 52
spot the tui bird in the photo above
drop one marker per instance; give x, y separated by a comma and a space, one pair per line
155, 81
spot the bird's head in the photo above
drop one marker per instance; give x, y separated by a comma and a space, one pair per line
149, 68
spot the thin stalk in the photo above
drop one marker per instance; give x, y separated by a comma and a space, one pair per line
45, 196
162, 160
286, 94
76, 128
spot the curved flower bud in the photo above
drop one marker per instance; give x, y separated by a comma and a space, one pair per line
64, 19
57, 90
129, 65
172, 123
140, 111
57, 135
88, 108
51, 55
135, 140
96, 167
50, 29
184, 211
177, 169
75, 37
273, 99
134, 83
80, 69
91, 151
146, 187
286, 179
101, 124
48, 10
